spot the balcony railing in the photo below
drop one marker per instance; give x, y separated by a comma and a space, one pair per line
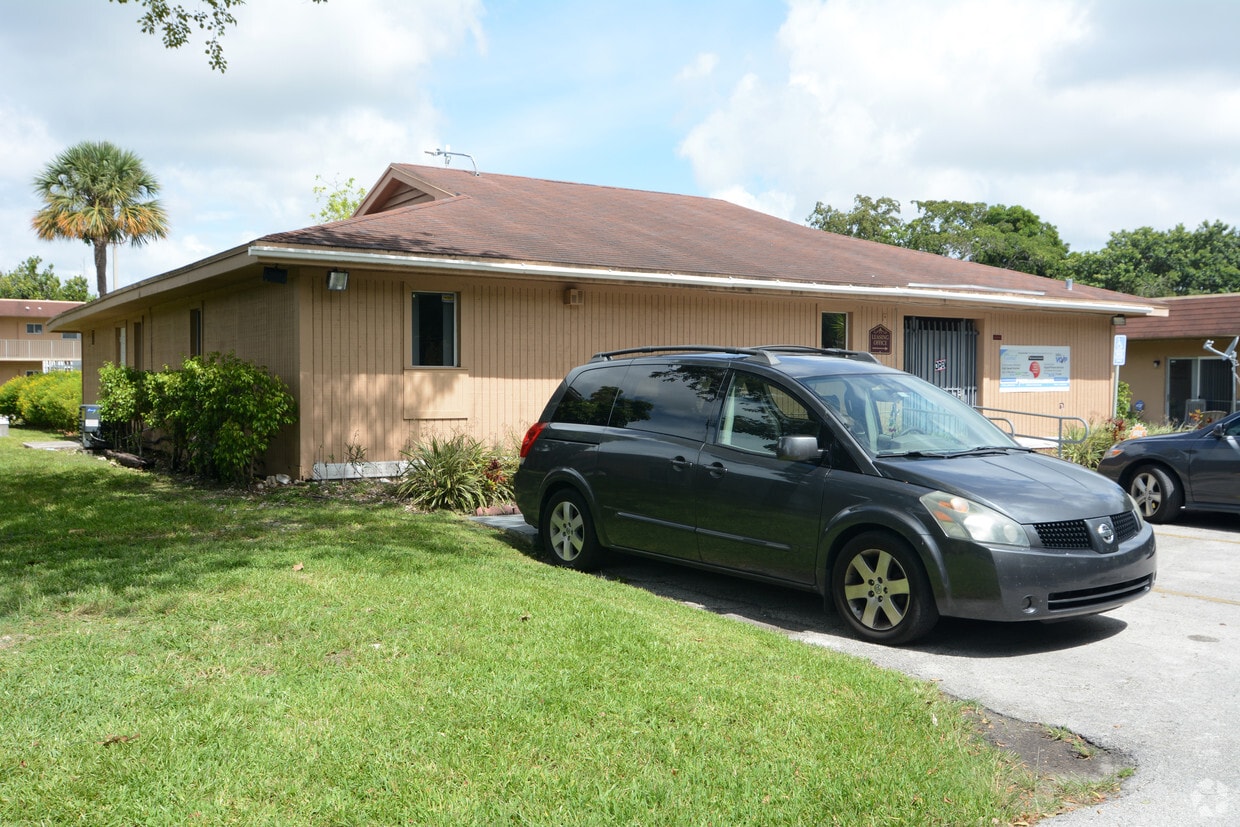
26, 350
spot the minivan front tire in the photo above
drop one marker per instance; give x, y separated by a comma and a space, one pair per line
567, 531
881, 591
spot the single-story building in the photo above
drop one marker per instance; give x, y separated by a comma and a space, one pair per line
1168, 368
454, 301
27, 344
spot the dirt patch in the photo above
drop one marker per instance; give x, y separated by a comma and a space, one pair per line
1049, 752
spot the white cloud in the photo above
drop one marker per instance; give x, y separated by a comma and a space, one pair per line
702, 66
974, 100
335, 89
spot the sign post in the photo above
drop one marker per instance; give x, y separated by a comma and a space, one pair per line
1119, 355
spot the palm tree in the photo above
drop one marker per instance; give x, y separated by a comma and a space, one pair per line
101, 194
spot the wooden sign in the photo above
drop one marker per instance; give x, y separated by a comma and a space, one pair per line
880, 339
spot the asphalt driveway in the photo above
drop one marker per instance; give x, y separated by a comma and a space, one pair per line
1158, 680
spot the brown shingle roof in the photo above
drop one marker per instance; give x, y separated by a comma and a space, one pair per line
1190, 316
510, 218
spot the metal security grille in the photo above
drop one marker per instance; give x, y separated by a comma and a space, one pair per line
944, 353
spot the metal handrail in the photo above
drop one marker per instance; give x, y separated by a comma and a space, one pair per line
1058, 441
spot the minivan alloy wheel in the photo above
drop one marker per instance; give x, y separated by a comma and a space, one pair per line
568, 532
881, 591
567, 537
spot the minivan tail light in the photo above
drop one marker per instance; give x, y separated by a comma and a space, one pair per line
530, 437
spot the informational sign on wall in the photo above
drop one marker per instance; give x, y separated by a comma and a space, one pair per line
1025, 368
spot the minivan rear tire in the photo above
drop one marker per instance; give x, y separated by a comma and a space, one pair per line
567, 532
880, 590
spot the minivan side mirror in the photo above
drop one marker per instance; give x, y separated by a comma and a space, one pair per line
797, 448
1217, 431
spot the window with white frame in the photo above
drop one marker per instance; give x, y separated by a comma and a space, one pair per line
34, 329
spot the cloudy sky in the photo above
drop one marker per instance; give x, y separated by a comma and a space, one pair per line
1098, 116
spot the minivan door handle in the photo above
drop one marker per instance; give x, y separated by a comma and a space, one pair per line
681, 464
716, 470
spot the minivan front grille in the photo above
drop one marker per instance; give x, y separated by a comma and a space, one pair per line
1067, 534
1101, 595
1075, 533
1125, 525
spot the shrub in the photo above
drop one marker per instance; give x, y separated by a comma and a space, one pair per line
458, 473
1101, 436
123, 404
44, 400
221, 413
9, 393
218, 412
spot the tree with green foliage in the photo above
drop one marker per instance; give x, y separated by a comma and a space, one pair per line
1152, 263
174, 23
871, 219
28, 281
1013, 237
100, 194
340, 202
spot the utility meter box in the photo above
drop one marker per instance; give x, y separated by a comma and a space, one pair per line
89, 426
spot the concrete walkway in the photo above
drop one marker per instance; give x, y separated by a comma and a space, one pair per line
54, 445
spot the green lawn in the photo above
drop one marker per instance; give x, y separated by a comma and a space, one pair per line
179, 655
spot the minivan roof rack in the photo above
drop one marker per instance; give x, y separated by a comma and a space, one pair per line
633, 351
858, 355
764, 353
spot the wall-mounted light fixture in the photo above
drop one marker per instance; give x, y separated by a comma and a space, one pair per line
1157, 363
337, 279
1118, 321
573, 296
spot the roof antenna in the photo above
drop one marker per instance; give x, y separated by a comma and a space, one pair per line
447, 156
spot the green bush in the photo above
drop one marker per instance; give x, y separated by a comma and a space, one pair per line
219, 413
123, 404
9, 393
458, 473
1101, 436
44, 400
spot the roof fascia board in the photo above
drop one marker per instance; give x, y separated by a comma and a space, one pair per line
152, 287
389, 260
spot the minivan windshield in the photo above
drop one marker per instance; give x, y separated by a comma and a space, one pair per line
897, 414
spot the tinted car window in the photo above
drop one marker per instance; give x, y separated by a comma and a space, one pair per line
756, 413
589, 400
668, 399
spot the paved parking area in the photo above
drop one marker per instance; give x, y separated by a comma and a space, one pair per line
1158, 680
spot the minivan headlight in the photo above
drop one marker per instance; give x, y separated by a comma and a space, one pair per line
966, 520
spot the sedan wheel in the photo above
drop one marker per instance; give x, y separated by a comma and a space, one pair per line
881, 591
1157, 493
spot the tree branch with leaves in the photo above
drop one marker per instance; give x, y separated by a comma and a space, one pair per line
175, 23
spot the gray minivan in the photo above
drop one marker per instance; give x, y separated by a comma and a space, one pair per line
825, 471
